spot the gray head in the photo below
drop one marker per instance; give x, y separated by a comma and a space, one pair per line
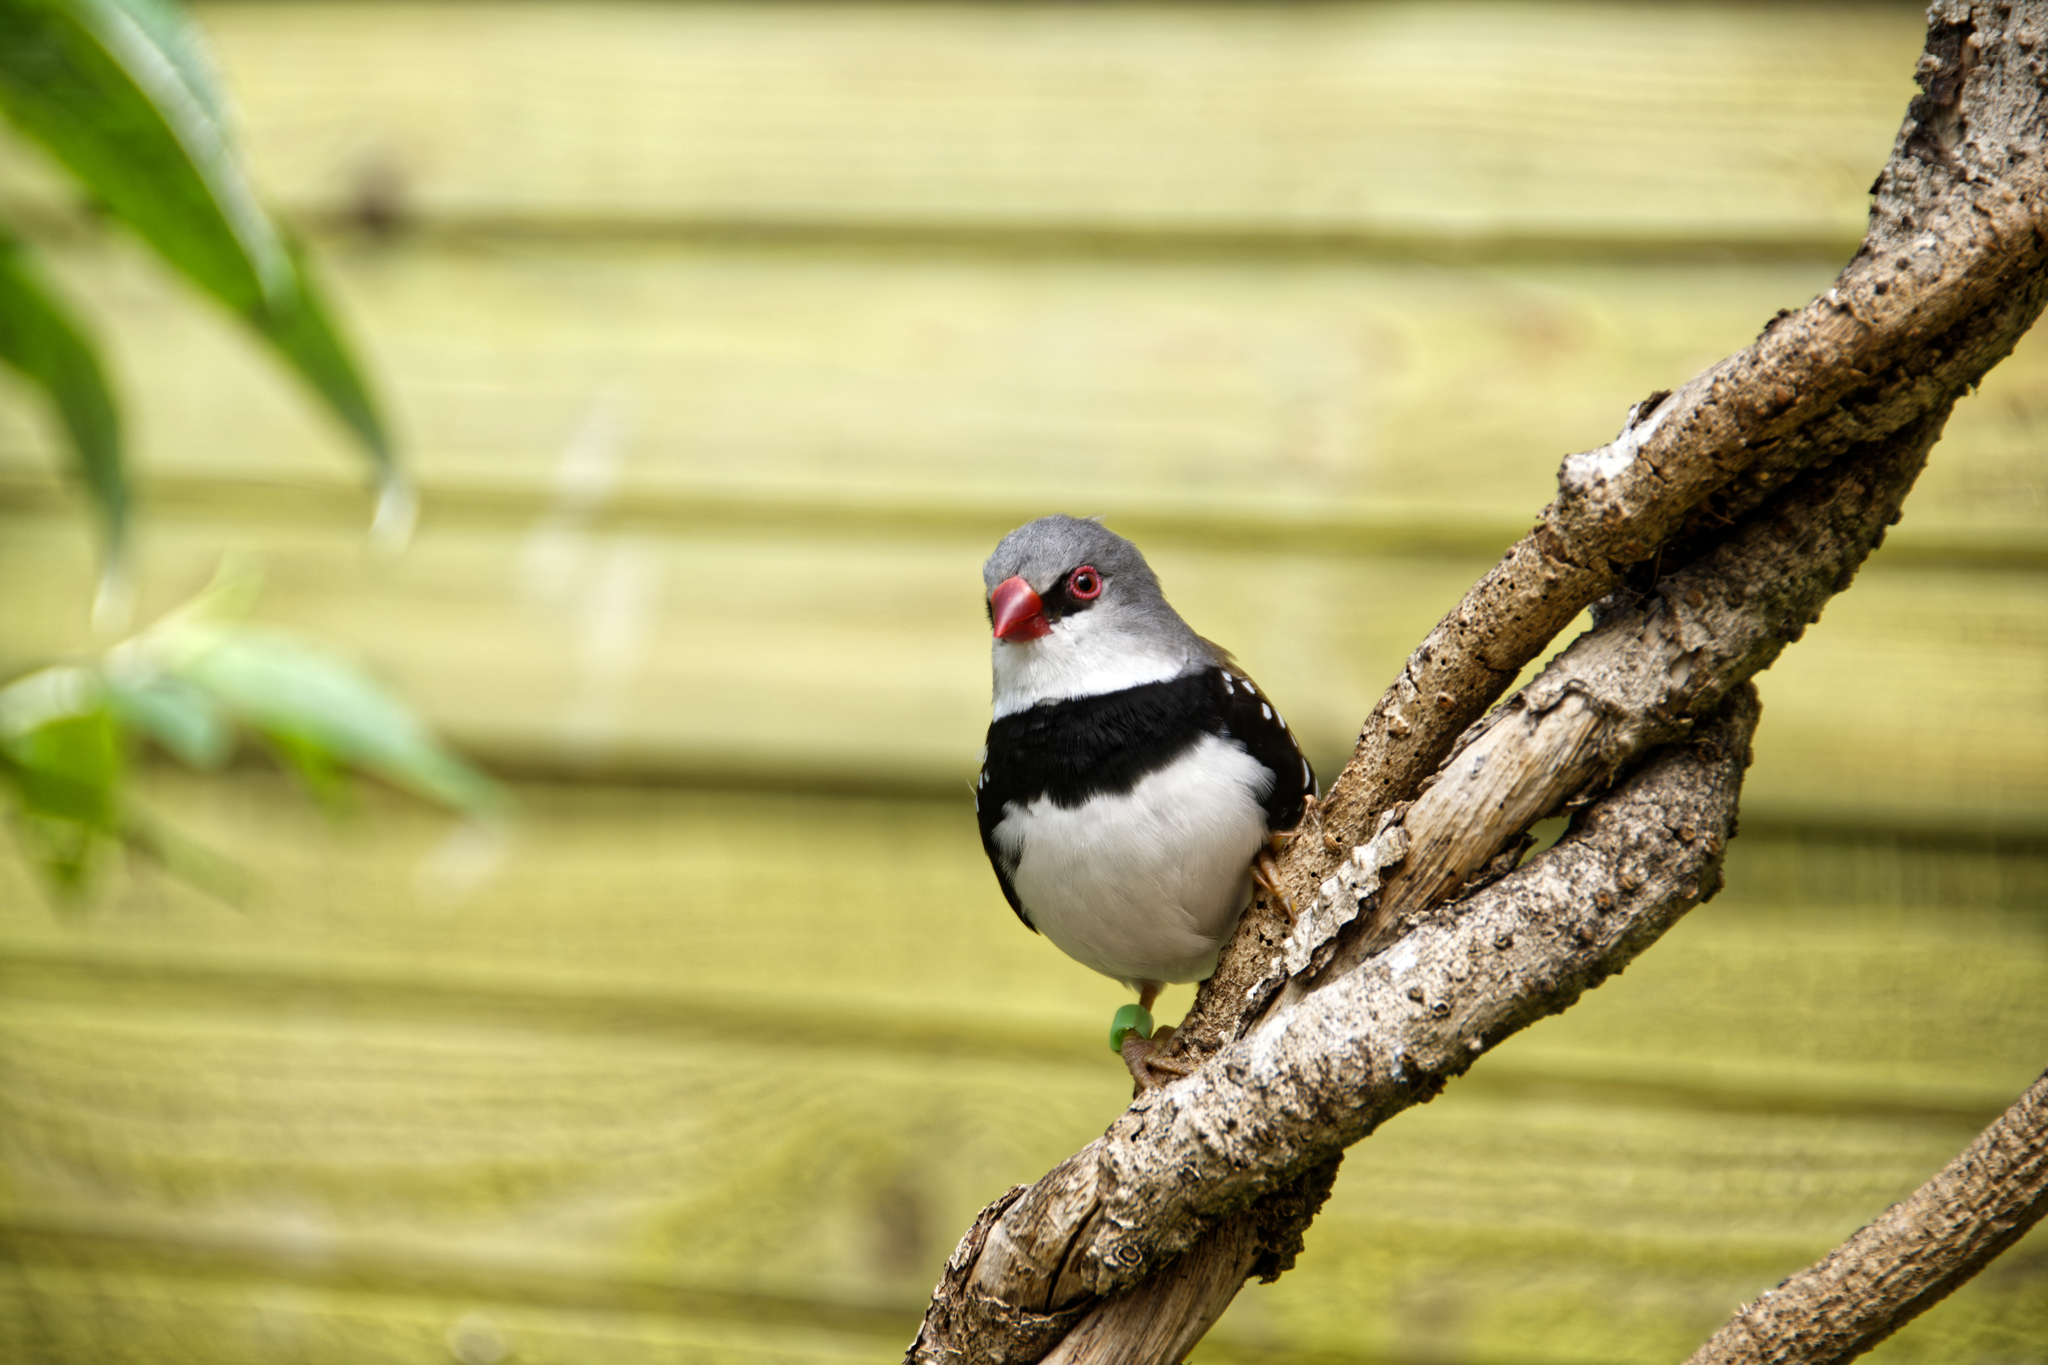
1078, 612
1044, 551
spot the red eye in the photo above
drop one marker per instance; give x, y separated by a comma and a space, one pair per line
1085, 584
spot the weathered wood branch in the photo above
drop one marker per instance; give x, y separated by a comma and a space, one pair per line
1293, 1084
1714, 527
1274, 1107
1653, 664
1909, 1259
1949, 276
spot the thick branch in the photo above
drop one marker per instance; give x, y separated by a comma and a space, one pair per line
1907, 1261
1280, 1103
1949, 276
1636, 680
1651, 666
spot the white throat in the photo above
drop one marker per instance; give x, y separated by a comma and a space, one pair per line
1086, 655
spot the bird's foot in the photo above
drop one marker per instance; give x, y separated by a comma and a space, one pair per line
1266, 875
1132, 1038
1143, 1057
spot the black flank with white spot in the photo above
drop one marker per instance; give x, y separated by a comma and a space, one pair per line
1081, 747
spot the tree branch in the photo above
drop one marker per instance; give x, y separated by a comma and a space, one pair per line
1755, 491
1298, 1085
1275, 1106
1949, 276
1907, 1261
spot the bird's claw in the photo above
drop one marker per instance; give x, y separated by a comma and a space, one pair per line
1266, 875
1142, 1056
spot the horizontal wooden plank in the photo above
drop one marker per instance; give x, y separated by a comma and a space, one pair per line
596, 383
737, 659
65, 1296
713, 1075
1424, 123
409, 928
1755, 1087
630, 894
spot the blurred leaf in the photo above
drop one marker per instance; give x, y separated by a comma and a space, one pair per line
61, 752
123, 94
40, 339
189, 682
303, 329
67, 770
50, 694
315, 767
175, 713
318, 708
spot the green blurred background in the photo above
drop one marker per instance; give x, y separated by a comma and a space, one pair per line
723, 341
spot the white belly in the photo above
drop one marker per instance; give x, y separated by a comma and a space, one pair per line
1145, 886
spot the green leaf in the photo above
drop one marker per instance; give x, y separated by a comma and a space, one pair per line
316, 768
60, 750
175, 713
318, 710
69, 769
62, 747
123, 94
40, 339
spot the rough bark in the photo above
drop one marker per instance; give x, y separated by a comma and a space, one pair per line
1277, 1105
1711, 531
1297, 1085
1909, 1259
1949, 276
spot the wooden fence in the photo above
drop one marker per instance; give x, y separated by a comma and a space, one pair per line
725, 340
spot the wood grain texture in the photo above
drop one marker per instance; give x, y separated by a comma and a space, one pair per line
1303, 398
1664, 122
579, 1101
842, 292
1652, 666
726, 662
1951, 273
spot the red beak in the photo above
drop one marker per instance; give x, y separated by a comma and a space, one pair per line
1017, 612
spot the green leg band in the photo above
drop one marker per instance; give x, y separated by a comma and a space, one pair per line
1129, 1019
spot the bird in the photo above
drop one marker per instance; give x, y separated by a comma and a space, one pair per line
1136, 781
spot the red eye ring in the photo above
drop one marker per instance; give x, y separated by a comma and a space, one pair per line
1084, 584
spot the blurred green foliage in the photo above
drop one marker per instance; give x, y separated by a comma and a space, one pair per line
121, 93
195, 683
